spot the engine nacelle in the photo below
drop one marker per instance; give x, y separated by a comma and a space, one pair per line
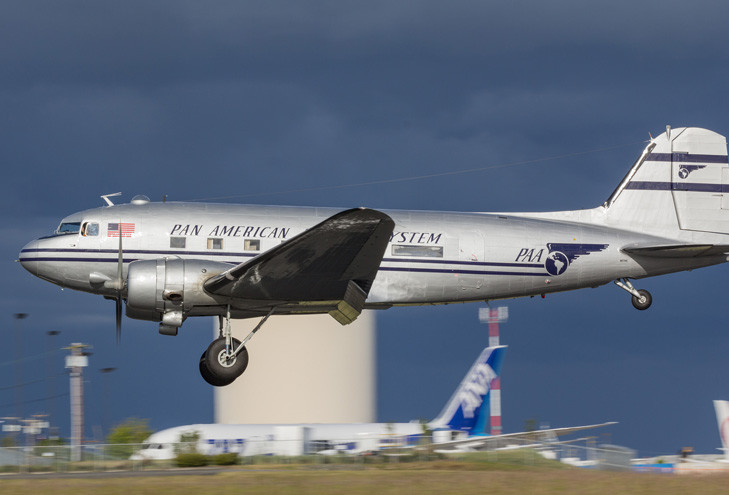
167, 289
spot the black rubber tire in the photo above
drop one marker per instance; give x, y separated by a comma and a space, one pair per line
224, 373
209, 377
644, 302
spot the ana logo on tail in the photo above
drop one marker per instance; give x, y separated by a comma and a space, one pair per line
722, 418
467, 402
470, 395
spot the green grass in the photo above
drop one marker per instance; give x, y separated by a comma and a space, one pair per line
381, 482
478, 473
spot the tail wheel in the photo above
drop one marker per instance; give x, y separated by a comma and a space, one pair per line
216, 364
642, 302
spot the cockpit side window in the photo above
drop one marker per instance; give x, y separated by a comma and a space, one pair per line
69, 228
90, 229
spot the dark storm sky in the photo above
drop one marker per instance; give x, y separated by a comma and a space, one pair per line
265, 102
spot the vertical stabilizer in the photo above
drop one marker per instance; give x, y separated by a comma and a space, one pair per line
722, 418
679, 183
464, 408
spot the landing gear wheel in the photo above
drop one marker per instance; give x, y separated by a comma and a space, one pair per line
642, 302
222, 368
209, 377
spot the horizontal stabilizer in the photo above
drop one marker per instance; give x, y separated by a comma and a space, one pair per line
677, 250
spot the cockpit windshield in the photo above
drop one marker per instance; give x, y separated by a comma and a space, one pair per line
69, 228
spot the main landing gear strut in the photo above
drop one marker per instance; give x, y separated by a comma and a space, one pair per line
641, 298
226, 358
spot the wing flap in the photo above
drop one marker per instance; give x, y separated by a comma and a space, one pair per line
677, 250
331, 264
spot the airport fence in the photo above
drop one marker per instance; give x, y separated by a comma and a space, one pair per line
64, 458
126, 457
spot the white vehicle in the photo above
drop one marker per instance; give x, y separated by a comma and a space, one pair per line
171, 261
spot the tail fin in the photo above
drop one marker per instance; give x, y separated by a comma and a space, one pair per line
469, 402
722, 418
680, 182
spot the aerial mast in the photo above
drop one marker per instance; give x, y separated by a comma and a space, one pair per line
493, 317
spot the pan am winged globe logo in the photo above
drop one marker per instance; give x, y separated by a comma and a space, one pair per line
556, 263
685, 170
562, 254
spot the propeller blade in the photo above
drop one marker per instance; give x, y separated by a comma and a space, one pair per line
118, 318
120, 286
120, 265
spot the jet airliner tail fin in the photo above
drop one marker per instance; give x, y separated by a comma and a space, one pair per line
680, 182
722, 418
465, 409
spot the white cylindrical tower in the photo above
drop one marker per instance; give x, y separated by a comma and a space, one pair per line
303, 369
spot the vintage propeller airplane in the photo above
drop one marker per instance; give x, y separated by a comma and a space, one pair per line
170, 261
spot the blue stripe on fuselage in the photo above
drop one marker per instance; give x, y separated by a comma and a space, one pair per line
137, 251
233, 262
676, 186
459, 272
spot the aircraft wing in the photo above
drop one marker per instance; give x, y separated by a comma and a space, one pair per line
544, 436
677, 250
332, 265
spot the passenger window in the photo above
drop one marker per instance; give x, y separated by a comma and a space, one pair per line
90, 229
252, 245
178, 242
419, 251
215, 243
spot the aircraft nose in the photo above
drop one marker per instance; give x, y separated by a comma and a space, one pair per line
28, 257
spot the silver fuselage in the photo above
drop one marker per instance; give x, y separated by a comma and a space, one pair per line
432, 258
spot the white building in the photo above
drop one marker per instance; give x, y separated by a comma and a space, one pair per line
303, 369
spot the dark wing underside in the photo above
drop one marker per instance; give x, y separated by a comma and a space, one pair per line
332, 266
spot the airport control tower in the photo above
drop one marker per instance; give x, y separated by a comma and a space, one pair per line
303, 369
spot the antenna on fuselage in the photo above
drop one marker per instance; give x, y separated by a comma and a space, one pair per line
106, 197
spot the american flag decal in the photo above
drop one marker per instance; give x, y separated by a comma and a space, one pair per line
126, 229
